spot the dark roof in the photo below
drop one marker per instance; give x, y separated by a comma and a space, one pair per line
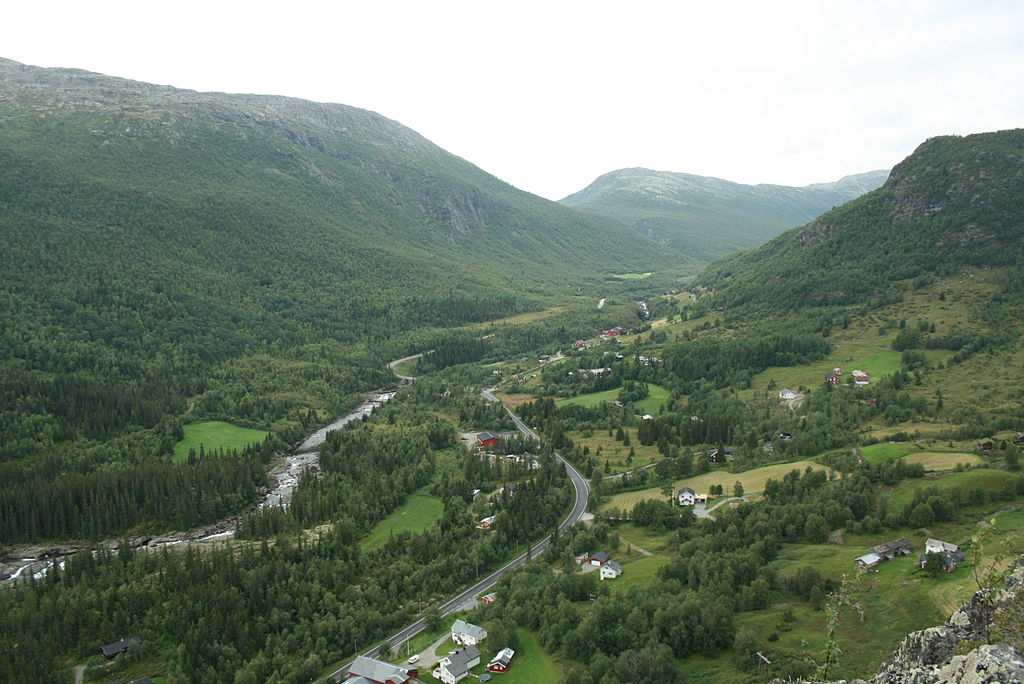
111, 650
686, 490
599, 556
484, 436
461, 659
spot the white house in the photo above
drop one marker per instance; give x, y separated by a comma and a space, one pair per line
687, 497
455, 667
610, 570
365, 669
466, 634
788, 394
938, 546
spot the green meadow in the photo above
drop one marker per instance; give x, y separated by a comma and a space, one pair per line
419, 513
214, 435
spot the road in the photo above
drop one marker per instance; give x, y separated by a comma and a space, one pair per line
392, 364
582, 489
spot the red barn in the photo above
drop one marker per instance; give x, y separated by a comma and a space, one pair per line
485, 439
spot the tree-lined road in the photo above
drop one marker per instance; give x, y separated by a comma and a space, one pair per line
582, 489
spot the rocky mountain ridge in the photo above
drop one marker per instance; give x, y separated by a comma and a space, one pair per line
708, 217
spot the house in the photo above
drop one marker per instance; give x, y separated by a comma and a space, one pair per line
598, 559
889, 550
868, 560
488, 599
501, 661
949, 560
1019, 439
579, 344
687, 497
582, 558
860, 378
788, 394
785, 435
466, 634
455, 667
647, 416
486, 524
720, 455
600, 371
938, 546
950, 553
610, 570
111, 650
366, 670
986, 445
485, 439
837, 371
614, 332
832, 379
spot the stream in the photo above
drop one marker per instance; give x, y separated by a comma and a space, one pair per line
36, 560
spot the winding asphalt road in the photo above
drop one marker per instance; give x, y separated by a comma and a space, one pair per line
580, 485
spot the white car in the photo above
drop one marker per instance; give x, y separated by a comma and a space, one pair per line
413, 659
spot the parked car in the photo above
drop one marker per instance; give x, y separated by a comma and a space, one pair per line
413, 659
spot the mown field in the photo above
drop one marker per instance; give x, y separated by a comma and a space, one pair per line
213, 435
943, 460
651, 404
419, 513
753, 482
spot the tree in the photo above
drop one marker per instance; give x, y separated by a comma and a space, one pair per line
744, 649
934, 563
737, 489
921, 516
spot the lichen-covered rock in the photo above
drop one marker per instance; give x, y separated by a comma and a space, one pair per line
928, 656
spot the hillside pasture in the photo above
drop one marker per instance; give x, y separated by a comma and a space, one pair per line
214, 435
753, 482
656, 398
613, 451
942, 460
881, 453
985, 479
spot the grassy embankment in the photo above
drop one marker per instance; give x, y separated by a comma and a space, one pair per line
213, 435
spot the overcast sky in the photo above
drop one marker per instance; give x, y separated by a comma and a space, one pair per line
550, 95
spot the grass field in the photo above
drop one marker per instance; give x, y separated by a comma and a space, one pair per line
531, 664
656, 398
612, 450
942, 460
985, 479
880, 453
419, 513
638, 571
634, 276
214, 435
753, 482
925, 430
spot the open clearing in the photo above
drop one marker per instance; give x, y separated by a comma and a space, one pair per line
214, 435
656, 398
633, 276
531, 663
939, 460
880, 453
419, 513
985, 479
753, 482
613, 452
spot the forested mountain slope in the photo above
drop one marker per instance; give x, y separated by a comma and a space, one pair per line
153, 237
956, 201
707, 218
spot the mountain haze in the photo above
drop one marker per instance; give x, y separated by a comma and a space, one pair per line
707, 218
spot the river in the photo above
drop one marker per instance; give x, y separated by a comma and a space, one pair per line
284, 475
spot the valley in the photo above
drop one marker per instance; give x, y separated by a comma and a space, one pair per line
616, 442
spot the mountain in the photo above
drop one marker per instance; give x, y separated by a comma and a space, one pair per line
707, 218
161, 245
955, 202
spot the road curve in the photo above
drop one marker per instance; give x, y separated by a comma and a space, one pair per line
582, 489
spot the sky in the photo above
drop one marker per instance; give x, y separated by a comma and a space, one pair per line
550, 95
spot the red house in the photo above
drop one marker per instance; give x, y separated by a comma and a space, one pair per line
501, 661
485, 439
613, 332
